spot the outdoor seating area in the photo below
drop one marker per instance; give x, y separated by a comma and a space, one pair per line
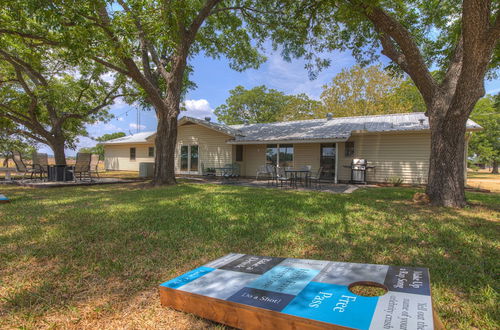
38, 169
290, 177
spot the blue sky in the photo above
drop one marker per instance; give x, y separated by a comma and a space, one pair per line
214, 80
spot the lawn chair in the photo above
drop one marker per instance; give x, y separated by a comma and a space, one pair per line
82, 166
94, 164
233, 172
21, 167
41, 164
316, 178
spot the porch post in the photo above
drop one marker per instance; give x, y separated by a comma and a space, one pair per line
336, 161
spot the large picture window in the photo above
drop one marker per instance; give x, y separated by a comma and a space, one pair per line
280, 154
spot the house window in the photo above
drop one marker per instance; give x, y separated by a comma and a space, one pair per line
132, 153
281, 154
239, 153
349, 149
151, 151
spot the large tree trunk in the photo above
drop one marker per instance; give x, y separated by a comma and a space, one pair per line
166, 139
57, 147
447, 160
494, 166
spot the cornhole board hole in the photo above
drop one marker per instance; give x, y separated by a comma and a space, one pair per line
255, 292
4, 199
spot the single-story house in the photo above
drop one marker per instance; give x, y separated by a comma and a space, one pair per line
397, 145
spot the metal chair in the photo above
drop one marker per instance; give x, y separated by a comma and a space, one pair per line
82, 166
281, 176
94, 164
41, 164
264, 170
316, 178
21, 167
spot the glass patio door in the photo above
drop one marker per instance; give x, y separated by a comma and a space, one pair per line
327, 160
189, 159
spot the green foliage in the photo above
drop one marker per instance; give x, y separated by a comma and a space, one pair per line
263, 105
99, 148
46, 97
312, 28
485, 145
362, 91
9, 143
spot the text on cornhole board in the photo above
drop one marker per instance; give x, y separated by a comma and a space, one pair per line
248, 291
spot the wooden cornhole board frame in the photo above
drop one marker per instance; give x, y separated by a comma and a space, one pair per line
3, 199
255, 292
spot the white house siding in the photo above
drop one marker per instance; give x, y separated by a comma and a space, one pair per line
212, 147
117, 157
404, 156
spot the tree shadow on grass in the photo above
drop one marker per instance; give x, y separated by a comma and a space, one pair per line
118, 242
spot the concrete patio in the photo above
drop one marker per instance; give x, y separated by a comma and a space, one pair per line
248, 182
54, 184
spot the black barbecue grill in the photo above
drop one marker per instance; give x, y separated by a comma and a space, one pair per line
358, 170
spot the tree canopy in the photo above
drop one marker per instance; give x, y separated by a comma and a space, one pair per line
48, 99
362, 91
264, 105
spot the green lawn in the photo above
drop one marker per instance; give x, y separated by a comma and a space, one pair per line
93, 256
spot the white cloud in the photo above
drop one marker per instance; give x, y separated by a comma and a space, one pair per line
292, 77
197, 108
135, 126
120, 119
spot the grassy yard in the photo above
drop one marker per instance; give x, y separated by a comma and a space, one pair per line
94, 256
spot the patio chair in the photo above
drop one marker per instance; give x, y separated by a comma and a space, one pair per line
306, 175
264, 170
233, 173
94, 164
281, 176
82, 166
205, 172
41, 164
272, 170
316, 178
21, 167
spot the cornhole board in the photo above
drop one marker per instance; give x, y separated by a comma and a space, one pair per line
4, 199
255, 292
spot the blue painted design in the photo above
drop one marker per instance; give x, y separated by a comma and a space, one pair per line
334, 304
287, 280
187, 277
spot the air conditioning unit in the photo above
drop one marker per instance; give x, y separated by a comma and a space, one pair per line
146, 170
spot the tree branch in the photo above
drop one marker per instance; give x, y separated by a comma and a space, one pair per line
415, 64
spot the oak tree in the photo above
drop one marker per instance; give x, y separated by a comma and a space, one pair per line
457, 38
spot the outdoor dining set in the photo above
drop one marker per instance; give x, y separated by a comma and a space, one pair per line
293, 177
85, 166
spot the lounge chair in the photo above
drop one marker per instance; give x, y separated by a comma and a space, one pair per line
82, 166
94, 164
21, 167
41, 164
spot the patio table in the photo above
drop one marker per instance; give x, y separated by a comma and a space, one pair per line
296, 175
7, 171
59, 172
